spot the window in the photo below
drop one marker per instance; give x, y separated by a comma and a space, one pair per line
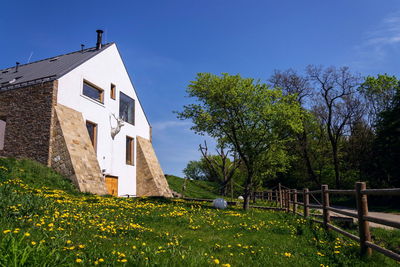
126, 108
92, 91
92, 130
112, 91
129, 150
2, 132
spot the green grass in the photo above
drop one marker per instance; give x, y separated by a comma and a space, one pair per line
194, 188
47, 223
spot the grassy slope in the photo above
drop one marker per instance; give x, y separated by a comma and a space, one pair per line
194, 189
41, 225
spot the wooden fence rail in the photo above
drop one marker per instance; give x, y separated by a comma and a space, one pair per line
287, 200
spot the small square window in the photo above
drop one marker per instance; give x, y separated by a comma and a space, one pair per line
129, 151
92, 91
112, 91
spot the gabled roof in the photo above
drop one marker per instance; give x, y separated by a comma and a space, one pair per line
45, 70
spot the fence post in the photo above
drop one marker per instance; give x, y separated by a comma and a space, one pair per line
294, 201
325, 204
363, 225
287, 200
280, 194
277, 197
306, 202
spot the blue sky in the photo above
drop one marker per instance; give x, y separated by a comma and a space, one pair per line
165, 43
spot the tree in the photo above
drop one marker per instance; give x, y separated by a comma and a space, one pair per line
195, 170
247, 115
221, 165
294, 84
337, 105
387, 142
380, 94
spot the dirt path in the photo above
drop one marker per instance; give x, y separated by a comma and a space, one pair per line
387, 216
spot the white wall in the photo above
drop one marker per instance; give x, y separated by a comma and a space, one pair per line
102, 70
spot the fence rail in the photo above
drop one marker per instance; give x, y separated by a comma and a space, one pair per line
287, 200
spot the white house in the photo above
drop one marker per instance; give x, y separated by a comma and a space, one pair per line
85, 120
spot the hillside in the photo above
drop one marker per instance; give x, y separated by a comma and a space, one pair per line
194, 188
44, 221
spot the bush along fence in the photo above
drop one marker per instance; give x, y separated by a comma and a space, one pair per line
287, 200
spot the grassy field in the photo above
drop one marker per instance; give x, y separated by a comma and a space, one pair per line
44, 221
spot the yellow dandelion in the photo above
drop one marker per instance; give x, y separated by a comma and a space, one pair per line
6, 231
78, 260
216, 261
33, 243
27, 234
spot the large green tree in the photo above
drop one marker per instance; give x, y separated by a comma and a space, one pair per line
379, 93
387, 143
247, 115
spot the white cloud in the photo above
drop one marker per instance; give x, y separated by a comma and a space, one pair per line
379, 43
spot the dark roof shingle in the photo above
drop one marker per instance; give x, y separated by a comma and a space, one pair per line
45, 70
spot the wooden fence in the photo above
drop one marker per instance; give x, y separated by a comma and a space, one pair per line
287, 200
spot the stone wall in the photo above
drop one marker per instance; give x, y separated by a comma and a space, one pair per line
29, 115
73, 154
150, 179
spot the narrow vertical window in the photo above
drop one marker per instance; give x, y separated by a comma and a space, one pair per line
112, 91
92, 130
126, 108
129, 151
2, 132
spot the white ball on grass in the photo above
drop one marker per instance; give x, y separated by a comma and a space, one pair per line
240, 198
220, 203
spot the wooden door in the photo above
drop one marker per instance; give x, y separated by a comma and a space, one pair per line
112, 185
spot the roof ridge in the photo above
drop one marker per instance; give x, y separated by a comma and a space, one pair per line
87, 49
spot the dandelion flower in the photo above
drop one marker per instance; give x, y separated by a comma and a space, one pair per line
78, 260
216, 261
